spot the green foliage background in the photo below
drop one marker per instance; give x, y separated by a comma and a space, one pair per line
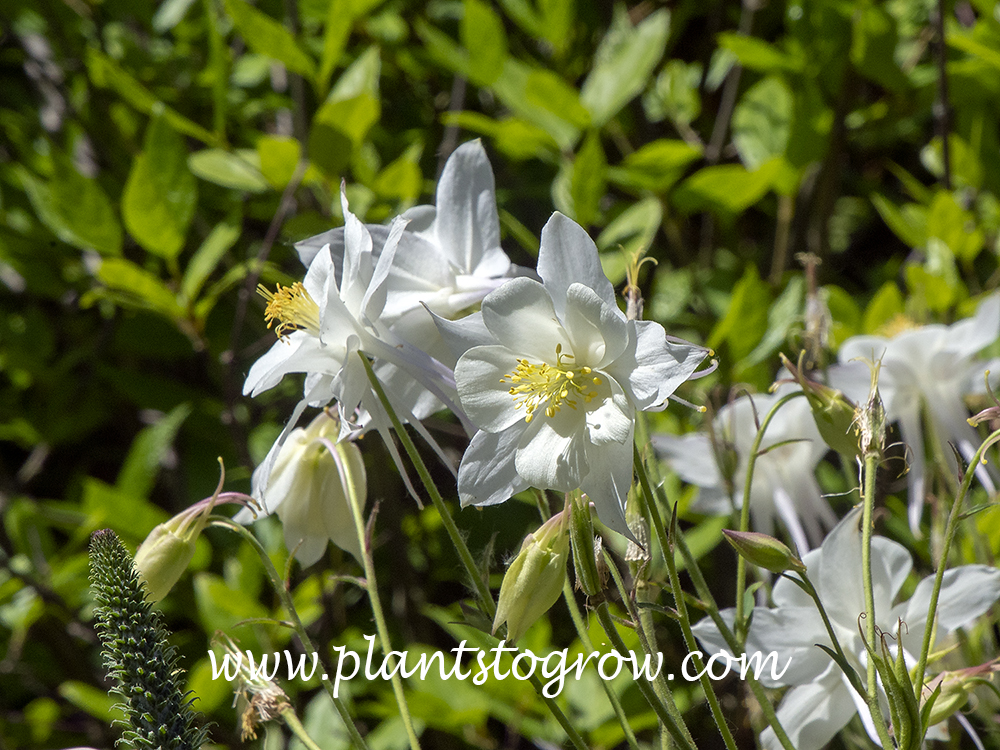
156, 162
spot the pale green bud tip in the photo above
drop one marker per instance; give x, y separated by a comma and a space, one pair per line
763, 551
534, 581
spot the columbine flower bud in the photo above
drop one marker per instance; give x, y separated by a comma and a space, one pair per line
870, 419
833, 412
956, 686
534, 581
164, 556
763, 551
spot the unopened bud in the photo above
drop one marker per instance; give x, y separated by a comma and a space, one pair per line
534, 581
763, 551
832, 412
870, 419
956, 687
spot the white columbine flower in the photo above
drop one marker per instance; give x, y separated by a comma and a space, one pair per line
784, 480
925, 371
324, 321
309, 487
551, 373
821, 700
448, 258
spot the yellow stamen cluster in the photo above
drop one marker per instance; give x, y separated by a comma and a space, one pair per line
533, 386
292, 307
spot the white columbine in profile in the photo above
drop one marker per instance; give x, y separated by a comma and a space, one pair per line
784, 481
448, 258
311, 479
821, 700
551, 373
925, 371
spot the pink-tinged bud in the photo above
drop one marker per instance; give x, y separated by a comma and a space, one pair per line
763, 551
956, 686
833, 412
534, 581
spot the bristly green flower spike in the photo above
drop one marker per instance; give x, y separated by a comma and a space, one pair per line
137, 655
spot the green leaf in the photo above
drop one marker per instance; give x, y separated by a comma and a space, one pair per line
238, 170
873, 47
222, 237
91, 700
484, 38
160, 193
745, 322
135, 285
635, 228
587, 184
361, 77
623, 63
675, 93
886, 306
548, 91
106, 73
513, 136
956, 227
74, 208
909, 223
338, 128
267, 37
656, 166
339, 20
845, 313
784, 313
727, 190
759, 55
150, 447
279, 158
762, 122
402, 179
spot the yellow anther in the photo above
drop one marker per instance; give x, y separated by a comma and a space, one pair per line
547, 387
292, 307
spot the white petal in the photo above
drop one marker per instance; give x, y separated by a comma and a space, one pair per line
568, 255
840, 582
597, 330
357, 258
487, 474
609, 478
551, 454
485, 398
970, 336
612, 421
298, 352
462, 335
650, 368
966, 592
812, 714
691, 457
792, 633
912, 433
375, 295
521, 317
467, 223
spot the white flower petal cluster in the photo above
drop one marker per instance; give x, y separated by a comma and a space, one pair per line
821, 700
308, 487
925, 373
551, 373
784, 481
448, 258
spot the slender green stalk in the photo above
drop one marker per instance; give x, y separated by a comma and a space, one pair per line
741, 563
292, 721
871, 463
482, 589
949, 535
679, 735
581, 631
286, 599
660, 685
646, 497
712, 608
371, 586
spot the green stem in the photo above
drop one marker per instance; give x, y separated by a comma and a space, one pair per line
712, 608
371, 586
482, 589
949, 535
871, 463
646, 499
741, 564
660, 686
286, 599
679, 735
581, 631
293, 723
